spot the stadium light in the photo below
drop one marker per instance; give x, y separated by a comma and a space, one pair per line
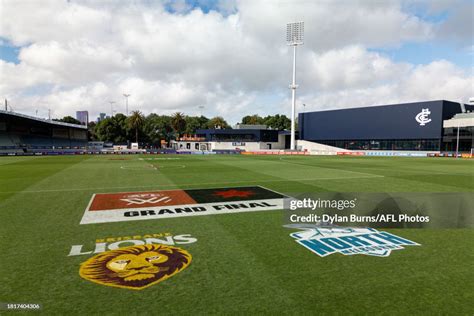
294, 37
457, 141
126, 102
463, 109
112, 108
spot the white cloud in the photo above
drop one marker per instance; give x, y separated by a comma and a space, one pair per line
15, 78
334, 24
353, 67
25, 22
90, 52
459, 28
75, 62
439, 80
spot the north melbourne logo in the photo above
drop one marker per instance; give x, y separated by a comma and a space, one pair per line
348, 241
423, 117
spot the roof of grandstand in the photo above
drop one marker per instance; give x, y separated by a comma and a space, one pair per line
42, 120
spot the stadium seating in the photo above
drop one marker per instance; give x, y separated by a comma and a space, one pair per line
23, 134
14, 144
9, 145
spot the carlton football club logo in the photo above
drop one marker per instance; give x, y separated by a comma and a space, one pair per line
135, 267
423, 117
348, 241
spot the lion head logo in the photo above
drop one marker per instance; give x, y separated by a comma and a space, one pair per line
135, 267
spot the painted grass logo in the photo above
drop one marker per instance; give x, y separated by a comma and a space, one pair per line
135, 267
132, 206
114, 243
348, 241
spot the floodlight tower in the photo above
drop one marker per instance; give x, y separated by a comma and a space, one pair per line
112, 108
294, 37
126, 95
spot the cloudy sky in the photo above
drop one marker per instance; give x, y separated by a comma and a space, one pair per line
231, 56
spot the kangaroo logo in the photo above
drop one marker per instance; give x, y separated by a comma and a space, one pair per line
423, 117
327, 240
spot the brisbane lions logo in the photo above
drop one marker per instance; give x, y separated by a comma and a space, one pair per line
135, 267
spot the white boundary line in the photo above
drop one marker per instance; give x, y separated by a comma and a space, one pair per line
150, 166
286, 196
159, 187
139, 168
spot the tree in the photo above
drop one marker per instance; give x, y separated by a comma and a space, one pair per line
158, 127
135, 121
194, 123
253, 120
280, 122
178, 123
217, 122
105, 130
91, 136
154, 127
68, 119
113, 129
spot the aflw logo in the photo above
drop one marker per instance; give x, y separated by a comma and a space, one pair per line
147, 199
423, 117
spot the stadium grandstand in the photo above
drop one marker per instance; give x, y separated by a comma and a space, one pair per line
422, 127
24, 135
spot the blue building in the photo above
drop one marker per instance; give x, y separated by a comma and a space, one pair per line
408, 126
238, 135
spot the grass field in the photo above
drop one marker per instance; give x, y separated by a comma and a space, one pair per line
242, 263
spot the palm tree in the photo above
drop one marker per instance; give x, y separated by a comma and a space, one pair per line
135, 121
217, 122
178, 122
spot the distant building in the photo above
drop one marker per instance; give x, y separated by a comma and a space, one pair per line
234, 139
101, 117
250, 126
82, 116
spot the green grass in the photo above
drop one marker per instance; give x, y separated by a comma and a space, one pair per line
242, 263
